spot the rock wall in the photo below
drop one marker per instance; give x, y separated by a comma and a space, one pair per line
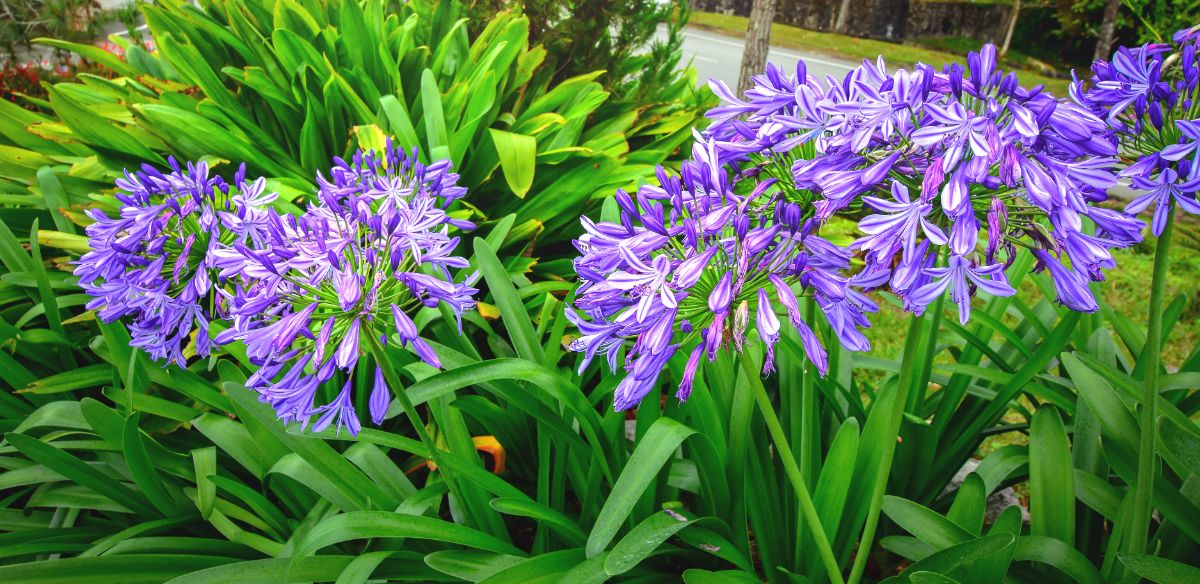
983, 22
894, 20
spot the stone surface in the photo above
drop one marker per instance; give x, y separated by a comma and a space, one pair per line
996, 502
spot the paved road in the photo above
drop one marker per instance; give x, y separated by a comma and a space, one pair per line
719, 56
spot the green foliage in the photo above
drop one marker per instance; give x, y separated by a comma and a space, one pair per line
27, 19
1075, 26
1080, 470
116, 469
146, 474
178, 476
604, 35
1157, 20
286, 86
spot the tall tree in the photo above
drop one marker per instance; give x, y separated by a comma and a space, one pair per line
842, 17
1012, 25
758, 42
1108, 25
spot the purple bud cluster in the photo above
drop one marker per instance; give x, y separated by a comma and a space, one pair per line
1148, 96
153, 262
944, 172
307, 295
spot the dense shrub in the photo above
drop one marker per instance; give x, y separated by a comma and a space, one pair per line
285, 87
616, 37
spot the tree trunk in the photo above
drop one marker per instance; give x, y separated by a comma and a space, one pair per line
1108, 25
758, 41
842, 16
1012, 25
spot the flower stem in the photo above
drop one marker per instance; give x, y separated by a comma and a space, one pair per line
750, 370
1143, 495
908, 367
397, 389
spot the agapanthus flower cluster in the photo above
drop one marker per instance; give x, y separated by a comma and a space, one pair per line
944, 172
699, 257
308, 295
1148, 95
349, 272
153, 262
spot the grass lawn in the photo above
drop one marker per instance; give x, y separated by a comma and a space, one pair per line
852, 48
1127, 291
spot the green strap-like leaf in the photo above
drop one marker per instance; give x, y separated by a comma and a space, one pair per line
552, 518
143, 469
435, 122
56, 199
1181, 445
652, 452
993, 568
204, 460
539, 378
518, 158
360, 491
1050, 551
385, 524
92, 53
943, 562
642, 540
512, 311
82, 473
80, 378
924, 523
119, 569
359, 570
1160, 570
542, 568
314, 569
1051, 477
967, 510
470, 565
930, 578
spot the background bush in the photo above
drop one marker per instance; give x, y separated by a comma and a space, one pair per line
604, 35
286, 86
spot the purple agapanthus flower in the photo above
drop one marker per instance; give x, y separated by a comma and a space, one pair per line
153, 262
898, 228
961, 277
1148, 95
351, 270
1188, 148
946, 174
1160, 191
965, 160
705, 259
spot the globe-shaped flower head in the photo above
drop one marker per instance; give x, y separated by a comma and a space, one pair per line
705, 259
344, 277
1148, 95
946, 172
152, 262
